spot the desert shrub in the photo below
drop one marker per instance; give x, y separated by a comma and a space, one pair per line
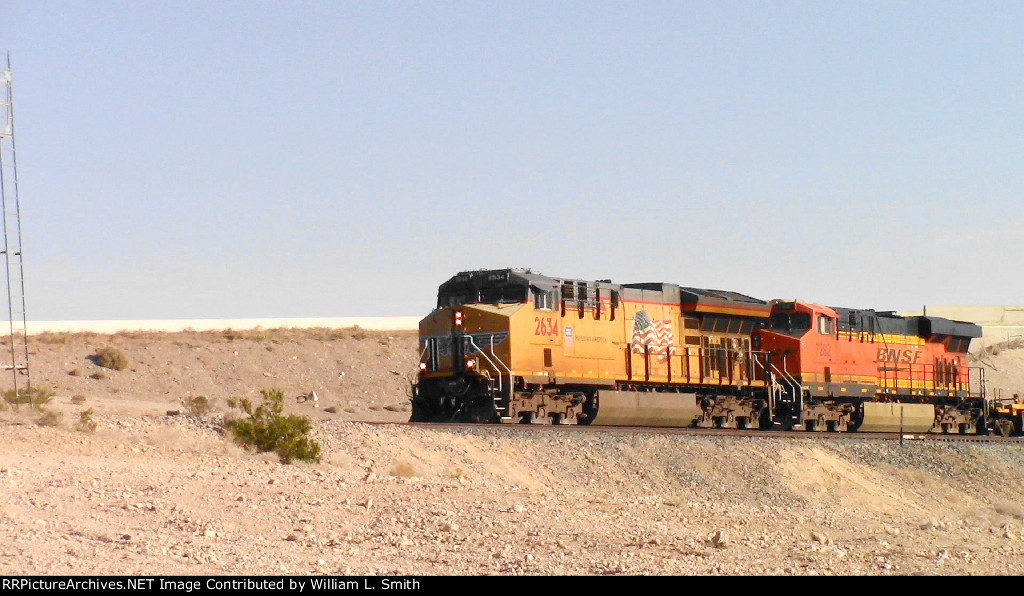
49, 418
98, 376
36, 397
198, 406
266, 428
78, 399
85, 422
75, 372
111, 358
403, 469
50, 337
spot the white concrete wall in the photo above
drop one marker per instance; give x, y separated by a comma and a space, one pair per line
375, 323
998, 322
994, 315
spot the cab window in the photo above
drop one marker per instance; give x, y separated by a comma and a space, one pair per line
543, 299
795, 324
826, 325
503, 294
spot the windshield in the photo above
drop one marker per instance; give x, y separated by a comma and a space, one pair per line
492, 295
503, 294
795, 324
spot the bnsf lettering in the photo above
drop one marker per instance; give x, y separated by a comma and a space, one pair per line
545, 326
904, 356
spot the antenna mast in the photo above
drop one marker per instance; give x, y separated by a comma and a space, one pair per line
11, 208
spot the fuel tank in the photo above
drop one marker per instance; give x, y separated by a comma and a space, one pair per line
646, 408
885, 418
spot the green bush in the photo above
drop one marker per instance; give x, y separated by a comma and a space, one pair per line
37, 397
85, 422
111, 358
49, 418
266, 428
198, 406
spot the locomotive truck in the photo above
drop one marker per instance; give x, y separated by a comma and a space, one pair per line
515, 346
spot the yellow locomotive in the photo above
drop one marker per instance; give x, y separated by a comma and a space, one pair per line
512, 345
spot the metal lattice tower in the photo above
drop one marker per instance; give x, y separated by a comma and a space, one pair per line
11, 207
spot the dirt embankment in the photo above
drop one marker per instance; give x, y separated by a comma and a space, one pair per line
1003, 367
362, 375
157, 494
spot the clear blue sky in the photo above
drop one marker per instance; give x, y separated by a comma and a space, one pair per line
289, 159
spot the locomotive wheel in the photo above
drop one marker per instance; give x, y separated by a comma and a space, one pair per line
810, 425
832, 426
526, 418
589, 412
964, 428
557, 418
742, 422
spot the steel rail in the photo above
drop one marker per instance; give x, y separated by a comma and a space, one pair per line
709, 432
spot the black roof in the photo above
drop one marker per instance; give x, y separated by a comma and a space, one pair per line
892, 323
527, 277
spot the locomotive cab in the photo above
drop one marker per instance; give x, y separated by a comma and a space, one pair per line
800, 340
465, 355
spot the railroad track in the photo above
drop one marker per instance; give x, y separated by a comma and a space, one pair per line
709, 432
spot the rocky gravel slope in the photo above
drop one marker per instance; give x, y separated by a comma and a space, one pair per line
148, 493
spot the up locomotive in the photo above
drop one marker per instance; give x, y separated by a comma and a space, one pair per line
512, 345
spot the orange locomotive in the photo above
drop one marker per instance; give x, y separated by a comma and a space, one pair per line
845, 369
511, 345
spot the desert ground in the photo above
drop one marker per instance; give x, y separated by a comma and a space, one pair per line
155, 490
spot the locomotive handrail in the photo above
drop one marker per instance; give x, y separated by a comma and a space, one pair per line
511, 384
758, 357
426, 346
469, 339
491, 362
788, 380
786, 374
768, 378
925, 377
798, 394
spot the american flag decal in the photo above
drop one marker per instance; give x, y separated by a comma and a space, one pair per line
657, 334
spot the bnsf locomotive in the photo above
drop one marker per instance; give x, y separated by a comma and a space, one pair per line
512, 345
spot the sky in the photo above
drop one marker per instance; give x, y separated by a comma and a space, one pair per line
231, 159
